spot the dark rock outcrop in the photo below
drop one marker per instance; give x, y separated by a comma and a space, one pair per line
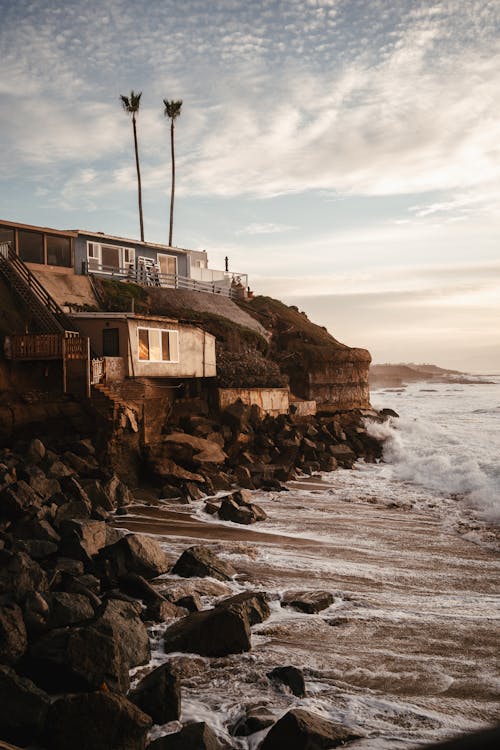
23, 708
214, 632
301, 730
291, 677
135, 553
96, 721
13, 636
197, 736
201, 561
309, 602
159, 695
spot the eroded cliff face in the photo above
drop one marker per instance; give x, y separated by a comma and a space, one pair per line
318, 366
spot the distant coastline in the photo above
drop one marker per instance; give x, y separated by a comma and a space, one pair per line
399, 375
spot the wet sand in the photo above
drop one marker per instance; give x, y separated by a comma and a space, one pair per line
408, 652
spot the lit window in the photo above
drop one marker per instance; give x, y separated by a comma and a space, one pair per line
158, 345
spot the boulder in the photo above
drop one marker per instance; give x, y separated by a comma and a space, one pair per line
76, 659
34, 528
135, 553
159, 695
197, 736
214, 632
96, 721
38, 549
211, 508
36, 451
301, 730
252, 603
13, 636
201, 561
69, 609
36, 613
167, 469
24, 708
72, 510
19, 575
309, 602
254, 720
82, 538
201, 451
18, 500
291, 677
344, 455
231, 510
191, 602
158, 608
191, 491
128, 629
58, 470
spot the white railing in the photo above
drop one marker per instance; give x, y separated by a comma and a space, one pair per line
231, 285
97, 371
226, 277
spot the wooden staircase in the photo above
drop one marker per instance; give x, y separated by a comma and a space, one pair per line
47, 316
114, 410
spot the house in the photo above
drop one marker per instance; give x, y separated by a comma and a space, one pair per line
147, 346
80, 253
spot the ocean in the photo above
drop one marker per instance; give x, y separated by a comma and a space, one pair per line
407, 653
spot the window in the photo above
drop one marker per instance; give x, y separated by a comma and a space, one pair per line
31, 246
58, 250
158, 345
109, 258
7, 237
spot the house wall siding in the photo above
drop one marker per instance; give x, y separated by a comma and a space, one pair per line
80, 252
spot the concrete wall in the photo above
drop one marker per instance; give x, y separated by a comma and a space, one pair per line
64, 285
93, 328
271, 400
115, 369
304, 408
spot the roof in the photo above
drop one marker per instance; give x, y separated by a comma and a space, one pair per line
34, 228
103, 235
122, 316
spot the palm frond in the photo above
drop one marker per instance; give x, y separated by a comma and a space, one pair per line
172, 108
131, 103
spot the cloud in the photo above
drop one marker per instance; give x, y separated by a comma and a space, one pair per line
266, 228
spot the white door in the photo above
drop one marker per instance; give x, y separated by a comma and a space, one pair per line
168, 269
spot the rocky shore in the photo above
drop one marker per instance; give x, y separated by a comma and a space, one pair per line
78, 597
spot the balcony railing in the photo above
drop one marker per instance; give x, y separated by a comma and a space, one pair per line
228, 284
45, 346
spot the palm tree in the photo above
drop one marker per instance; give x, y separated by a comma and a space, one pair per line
131, 106
172, 111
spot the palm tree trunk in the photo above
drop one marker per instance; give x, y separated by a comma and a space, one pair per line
172, 191
139, 188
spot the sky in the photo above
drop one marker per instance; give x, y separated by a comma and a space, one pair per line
343, 153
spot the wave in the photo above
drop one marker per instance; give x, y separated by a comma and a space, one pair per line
427, 454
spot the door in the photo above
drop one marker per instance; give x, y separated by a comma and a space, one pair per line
168, 269
110, 342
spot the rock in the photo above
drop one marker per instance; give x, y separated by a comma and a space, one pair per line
197, 736
76, 659
69, 609
192, 491
170, 492
202, 451
252, 603
135, 553
243, 513
159, 695
309, 602
96, 721
83, 539
158, 608
38, 549
24, 708
19, 575
18, 500
201, 561
167, 469
13, 636
36, 451
214, 632
254, 720
191, 602
344, 455
57, 470
211, 508
36, 613
71, 511
129, 630
85, 467
301, 730
35, 528
389, 413
291, 677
